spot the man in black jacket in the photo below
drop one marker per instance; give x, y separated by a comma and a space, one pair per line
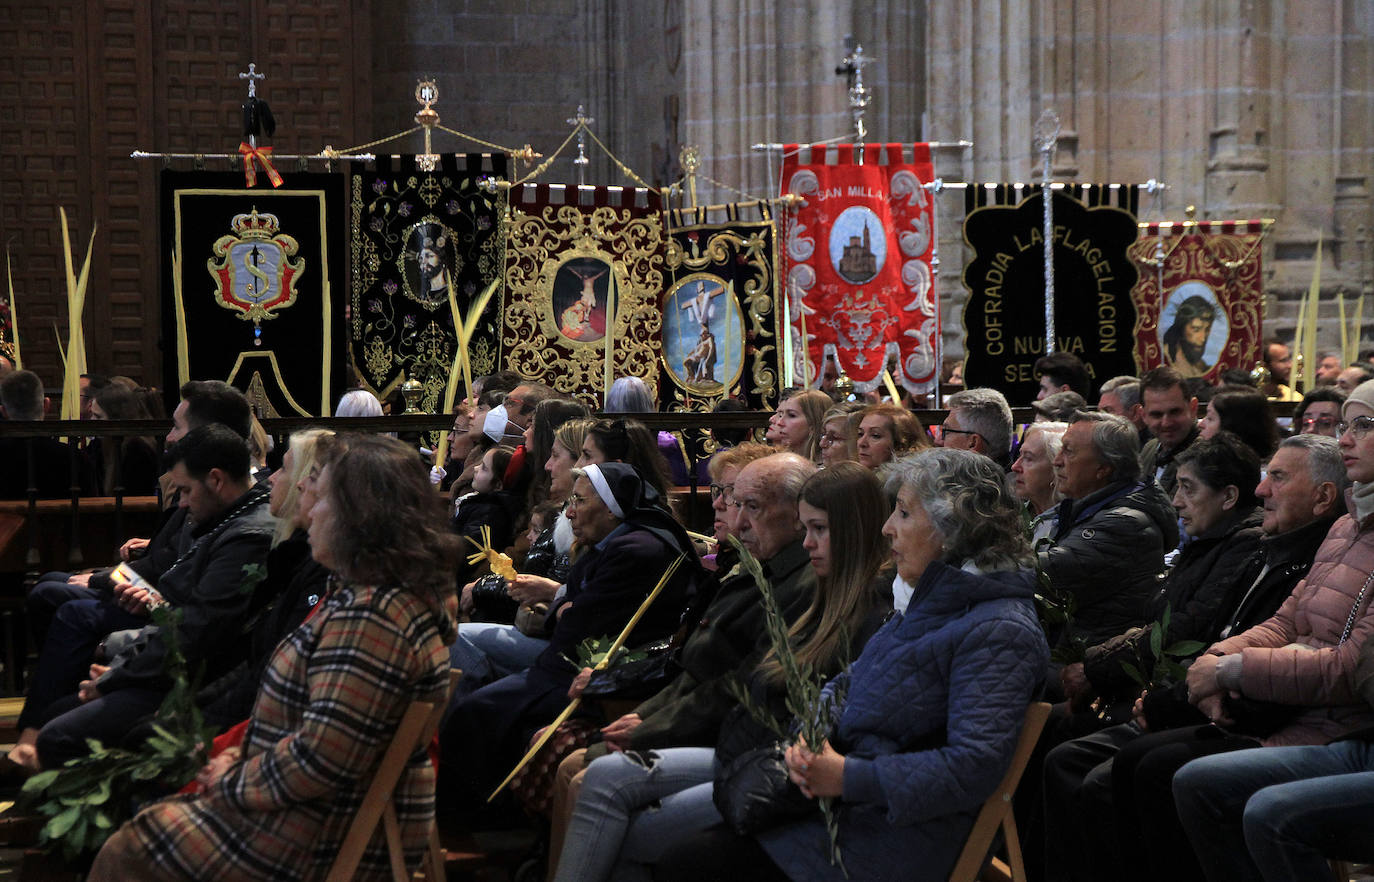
1303, 494
1114, 527
230, 528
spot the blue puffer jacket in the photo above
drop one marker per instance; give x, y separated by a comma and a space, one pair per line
933, 711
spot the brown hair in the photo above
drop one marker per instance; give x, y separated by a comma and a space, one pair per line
852, 498
390, 522
906, 430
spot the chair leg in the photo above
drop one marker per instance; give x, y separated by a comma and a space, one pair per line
393, 844
1340, 870
433, 865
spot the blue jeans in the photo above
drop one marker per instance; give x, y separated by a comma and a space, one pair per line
485, 652
1278, 812
630, 812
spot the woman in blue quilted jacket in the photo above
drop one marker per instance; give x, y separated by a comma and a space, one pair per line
934, 704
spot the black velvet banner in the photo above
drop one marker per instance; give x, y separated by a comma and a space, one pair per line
1004, 319
252, 282
720, 322
413, 233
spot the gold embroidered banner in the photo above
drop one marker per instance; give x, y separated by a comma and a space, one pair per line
584, 272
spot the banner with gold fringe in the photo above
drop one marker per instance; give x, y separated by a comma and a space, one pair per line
414, 235
584, 274
1199, 297
252, 286
860, 281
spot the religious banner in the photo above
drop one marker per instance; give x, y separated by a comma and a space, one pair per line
720, 321
859, 280
1004, 319
584, 274
416, 235
1200, 296
248, 287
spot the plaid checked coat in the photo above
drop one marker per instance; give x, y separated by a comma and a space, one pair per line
330, 701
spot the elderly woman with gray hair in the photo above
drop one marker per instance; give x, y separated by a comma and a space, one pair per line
932, 708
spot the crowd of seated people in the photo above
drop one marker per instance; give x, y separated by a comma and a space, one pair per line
1192, 596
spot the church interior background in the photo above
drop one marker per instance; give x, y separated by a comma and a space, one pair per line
1245, 110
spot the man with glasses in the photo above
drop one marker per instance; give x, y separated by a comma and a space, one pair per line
979, 420
1319, 412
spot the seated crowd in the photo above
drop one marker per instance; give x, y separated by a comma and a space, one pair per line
829, 685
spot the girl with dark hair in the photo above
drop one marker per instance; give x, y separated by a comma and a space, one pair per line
131, 463
1244, 413
331, 697
628, 441
549, 414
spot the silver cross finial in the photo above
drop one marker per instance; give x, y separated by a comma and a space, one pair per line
252, 77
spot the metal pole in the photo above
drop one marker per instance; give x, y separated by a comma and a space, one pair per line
1046, 134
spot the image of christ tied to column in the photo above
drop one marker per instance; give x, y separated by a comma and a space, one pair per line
579, 299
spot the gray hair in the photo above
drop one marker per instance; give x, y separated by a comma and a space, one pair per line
986, 412
1126, 389
1115, 441
968, 501
358, 403
1324, 461
1054, 436
629, 395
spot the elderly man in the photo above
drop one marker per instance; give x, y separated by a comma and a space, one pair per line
728, 636
1120, 396
629, 540
1302, 495
1171, 417
979, 420
1113, 529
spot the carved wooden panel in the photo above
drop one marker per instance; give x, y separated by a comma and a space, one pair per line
83, 85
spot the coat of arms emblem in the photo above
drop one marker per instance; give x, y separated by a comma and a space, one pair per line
255, 269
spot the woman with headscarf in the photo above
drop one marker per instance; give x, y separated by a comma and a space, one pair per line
628, 541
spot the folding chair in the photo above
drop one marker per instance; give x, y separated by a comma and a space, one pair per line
417, 728
996, 814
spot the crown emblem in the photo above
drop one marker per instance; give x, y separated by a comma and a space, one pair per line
254, 225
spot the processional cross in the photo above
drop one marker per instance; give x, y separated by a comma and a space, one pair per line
252, 76
581, 121
852, 66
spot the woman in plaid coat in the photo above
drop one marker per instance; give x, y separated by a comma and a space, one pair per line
330, 700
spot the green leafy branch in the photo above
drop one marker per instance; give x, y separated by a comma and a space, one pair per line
1167, 667
593, 650
87, 799
805, 699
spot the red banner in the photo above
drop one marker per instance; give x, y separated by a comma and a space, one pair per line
1199, 297
859, 280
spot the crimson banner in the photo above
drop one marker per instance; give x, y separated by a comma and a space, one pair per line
859, 282
1200, 296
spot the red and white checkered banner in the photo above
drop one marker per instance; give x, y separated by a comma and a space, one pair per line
1199, 298
860, 285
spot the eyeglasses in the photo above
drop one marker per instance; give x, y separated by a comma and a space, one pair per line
574, 501
946, 430
1324, 422
719, 490
829, 438
1358, 427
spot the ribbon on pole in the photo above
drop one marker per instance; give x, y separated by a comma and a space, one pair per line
263, 155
